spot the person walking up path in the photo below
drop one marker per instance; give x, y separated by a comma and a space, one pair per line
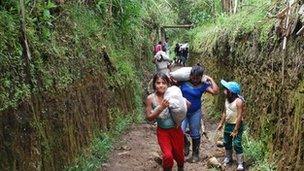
193, 90
170, 137
166, 45
157, 47
232, 117
162, 62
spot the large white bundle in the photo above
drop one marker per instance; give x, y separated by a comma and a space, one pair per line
182, 74
184, 46
177, 104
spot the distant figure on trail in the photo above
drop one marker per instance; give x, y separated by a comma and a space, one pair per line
162, 62
181, 53
157, 47
163, 65
193, 90
184, 53
166, 45
232, 117
177, 54
170, 137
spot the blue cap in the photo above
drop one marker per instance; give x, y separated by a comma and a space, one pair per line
232, 86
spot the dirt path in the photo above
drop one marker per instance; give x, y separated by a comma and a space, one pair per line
138, 150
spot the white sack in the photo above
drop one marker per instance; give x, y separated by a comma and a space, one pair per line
177, 104
182, 74
184, 46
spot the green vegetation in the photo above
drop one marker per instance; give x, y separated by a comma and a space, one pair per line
252, 17
256, 154
58, 94
245, 47
103, 143
52, 90
62, 54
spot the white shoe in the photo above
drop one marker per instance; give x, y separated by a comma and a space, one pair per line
227, 160
240, 167
228, 157
240, 161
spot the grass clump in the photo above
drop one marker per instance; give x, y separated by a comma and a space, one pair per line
255, 153
102, 144
251, 17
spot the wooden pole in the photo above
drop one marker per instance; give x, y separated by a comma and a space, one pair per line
285, 41
300, 31
177, 26
235, 6
230, 6
24, 43
23, 31
159, 34
163, 33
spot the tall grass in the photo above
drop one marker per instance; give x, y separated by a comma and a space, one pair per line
252, 16
256, 153
102, 144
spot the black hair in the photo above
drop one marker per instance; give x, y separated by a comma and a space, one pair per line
197, 70
231, 96
162, 76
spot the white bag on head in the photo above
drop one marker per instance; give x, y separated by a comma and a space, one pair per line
184, 46
177, 104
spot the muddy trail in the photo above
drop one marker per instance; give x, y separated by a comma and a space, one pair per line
138, 150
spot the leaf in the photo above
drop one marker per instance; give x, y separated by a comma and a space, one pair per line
46, 14
51, 5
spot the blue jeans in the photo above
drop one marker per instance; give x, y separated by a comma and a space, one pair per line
193, 120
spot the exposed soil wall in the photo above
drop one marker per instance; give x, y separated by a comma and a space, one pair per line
273, 86
58, 87
47, 131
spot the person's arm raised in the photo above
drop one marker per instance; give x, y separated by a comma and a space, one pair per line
213, 88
